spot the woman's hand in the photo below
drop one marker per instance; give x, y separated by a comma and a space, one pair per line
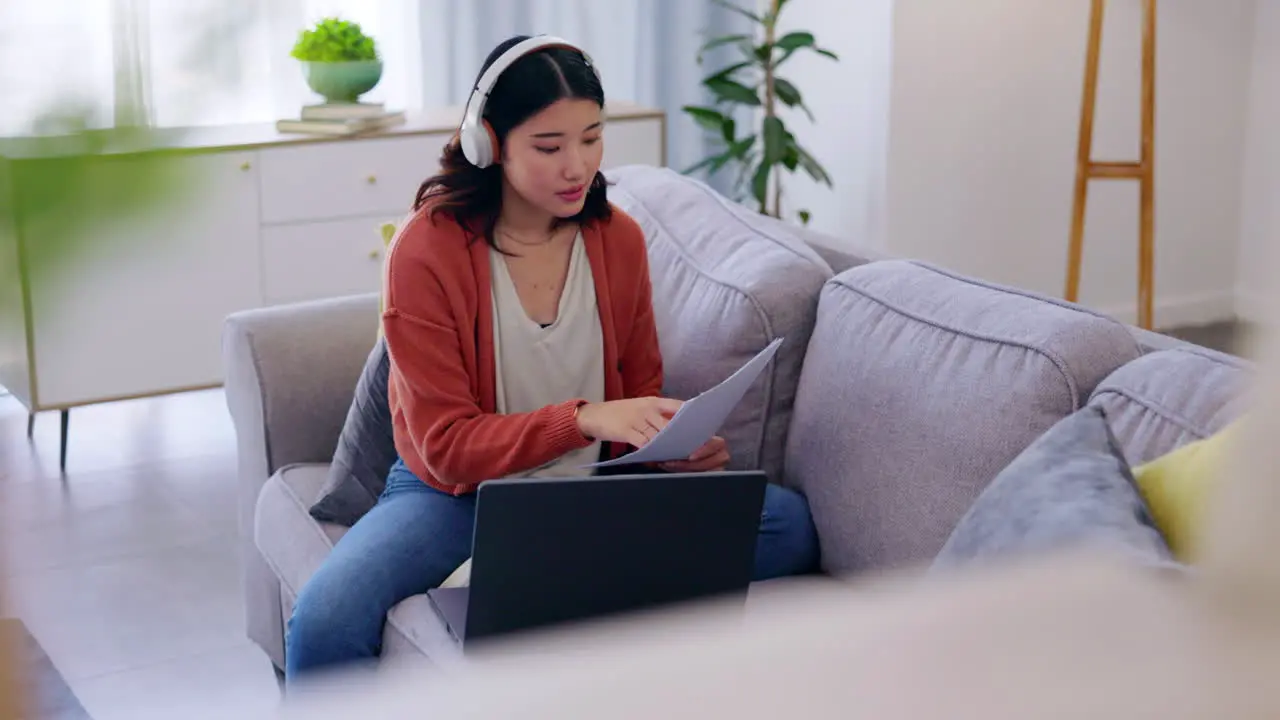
712, 456
633, 421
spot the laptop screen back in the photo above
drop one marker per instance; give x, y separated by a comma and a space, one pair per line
550, 551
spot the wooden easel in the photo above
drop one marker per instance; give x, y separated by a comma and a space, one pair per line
1143, 170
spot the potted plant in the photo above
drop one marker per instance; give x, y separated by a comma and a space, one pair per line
339, 61
766, 149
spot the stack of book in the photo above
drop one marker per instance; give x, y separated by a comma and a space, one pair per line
342, 119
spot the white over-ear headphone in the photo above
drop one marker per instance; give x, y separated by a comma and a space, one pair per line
479, 142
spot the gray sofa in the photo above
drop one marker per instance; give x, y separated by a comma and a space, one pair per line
900, 392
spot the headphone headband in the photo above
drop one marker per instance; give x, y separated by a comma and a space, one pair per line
479, 144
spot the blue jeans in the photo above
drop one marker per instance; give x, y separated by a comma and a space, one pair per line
416, 536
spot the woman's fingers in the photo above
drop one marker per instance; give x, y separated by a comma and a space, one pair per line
715, 462
689, 466
667, 406
721, 459
657, 421
636, 438
708, 449
713, 455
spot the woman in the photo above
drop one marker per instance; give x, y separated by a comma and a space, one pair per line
522, 341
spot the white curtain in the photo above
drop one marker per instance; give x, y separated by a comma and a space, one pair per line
646, 49
54, 52
173, 63
170, 63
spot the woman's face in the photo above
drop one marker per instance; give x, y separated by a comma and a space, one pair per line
551, 158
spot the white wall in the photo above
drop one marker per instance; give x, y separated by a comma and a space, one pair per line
849, 99
982, 127
1260, 212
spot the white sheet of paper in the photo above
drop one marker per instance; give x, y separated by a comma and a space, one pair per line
701, 417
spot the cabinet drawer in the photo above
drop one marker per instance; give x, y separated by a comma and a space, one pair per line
309, 261
326, 181
633, 142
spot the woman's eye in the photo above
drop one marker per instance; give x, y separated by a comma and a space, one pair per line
591, 141
547, 150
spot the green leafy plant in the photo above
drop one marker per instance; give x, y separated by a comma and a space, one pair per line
767, 149
334, 40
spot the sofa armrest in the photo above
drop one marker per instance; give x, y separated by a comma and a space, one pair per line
290, 374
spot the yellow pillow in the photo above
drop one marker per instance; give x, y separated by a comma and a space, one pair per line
1176, 487
388, 231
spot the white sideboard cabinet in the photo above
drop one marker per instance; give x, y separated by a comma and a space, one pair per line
272, 219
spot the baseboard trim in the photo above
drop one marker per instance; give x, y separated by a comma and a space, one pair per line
1186, 311
1250, 307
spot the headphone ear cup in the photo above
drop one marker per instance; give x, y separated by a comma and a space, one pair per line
479, 145
466, 140
495, 148
475, 146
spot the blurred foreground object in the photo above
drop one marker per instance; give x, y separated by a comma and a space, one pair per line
53, 185
57, 177
1075, 637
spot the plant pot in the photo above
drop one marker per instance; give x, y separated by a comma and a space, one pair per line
342, 82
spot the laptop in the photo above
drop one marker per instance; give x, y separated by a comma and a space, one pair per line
549, 551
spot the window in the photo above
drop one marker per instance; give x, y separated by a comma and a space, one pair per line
184, 62
54, 51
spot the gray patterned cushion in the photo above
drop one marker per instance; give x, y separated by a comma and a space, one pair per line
919, 387
366, 448
726, 283
1170, 398
1070, 488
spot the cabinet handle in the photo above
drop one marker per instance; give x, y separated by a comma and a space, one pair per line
373, 254
245, 166
372, 179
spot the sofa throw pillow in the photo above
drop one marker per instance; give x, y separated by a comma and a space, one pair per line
366, 448
1177, 487
1070, 487
388, 232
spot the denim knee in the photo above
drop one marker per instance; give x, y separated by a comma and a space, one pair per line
787, 528
330, 629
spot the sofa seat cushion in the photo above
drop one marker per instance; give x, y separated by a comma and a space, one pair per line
294, 545
292, 542
1169, 398
919, 387
726, 283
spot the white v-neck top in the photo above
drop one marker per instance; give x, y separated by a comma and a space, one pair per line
538, 366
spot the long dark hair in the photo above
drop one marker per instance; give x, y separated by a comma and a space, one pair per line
473, 196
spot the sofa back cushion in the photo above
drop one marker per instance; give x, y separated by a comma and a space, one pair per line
1172, 397
726, 283
918, 388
